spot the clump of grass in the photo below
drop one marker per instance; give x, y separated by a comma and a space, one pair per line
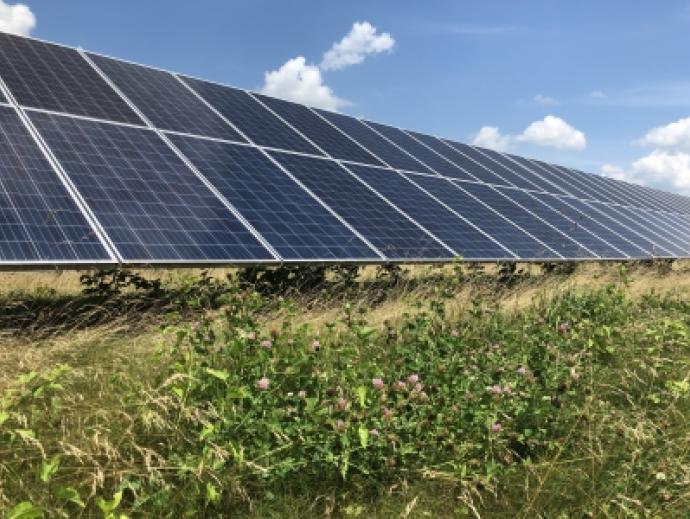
496, 412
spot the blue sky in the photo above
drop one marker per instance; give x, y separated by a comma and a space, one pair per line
611, 71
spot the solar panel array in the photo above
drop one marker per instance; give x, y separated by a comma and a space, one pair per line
106, 161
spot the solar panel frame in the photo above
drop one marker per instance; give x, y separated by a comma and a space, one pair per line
525, 176
441, 148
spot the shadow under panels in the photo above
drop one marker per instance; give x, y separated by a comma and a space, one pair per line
151, 205
39, 220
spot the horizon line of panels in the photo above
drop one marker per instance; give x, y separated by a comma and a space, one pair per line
62, 80
153, 208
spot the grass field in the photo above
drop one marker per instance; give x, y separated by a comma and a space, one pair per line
431, 392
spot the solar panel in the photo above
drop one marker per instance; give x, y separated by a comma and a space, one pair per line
435, 161
166, 102
522, 171
387, 229
51, 77
475, 154
39, 220
556, 177
446, 151
291, 220
465, 239
247, 114
372, 141
491, 222
152, 206
319, 131
590, 245
674, 239
554, 239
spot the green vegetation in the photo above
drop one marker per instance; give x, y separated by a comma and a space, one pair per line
575, 405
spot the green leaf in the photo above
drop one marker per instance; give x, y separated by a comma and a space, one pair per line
218, 373
363, 436
69, 494
25, 434
107, 506
25, 510
49, 468
4, 417
362, 395
212, 494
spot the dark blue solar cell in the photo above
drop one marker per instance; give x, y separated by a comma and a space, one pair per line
42, 75
478, 170
576, 233
617, 246
444, 224
151, 205
678, 222
551, 237
598, 185
659, 225
557, 177
489, 221
435, 161
317, 130
637, 221
247, 114
522, 171
602, 214
166, 102
372, 141
538, 176
386, 228
508, 176
291, 220
446, 151
39, 221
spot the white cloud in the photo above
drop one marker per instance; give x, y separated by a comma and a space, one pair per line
612, 171
662, 169
16, 19
673, 135
546, 100
597, 94
490, 137
554, 132
361, 41
298, 81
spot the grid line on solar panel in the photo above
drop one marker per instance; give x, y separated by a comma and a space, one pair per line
548, 171
535, 226
318, 131
251, 117
445, 151
549, 184
382, 225
478, 171
423, 153
642, 228
606, 217
475, 154
375, 143
39, 221
604, 191
293, 222
150, 204
445, 225
485, 218
613, 246
537, 206
521, 170
677, 223
43, 75
163, 100
658, 227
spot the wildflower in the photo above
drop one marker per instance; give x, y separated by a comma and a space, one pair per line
302, 394
399, 385
263, 384
341, 404
522, 370
266, 344
507, 390
196, 325
374, 432
423, 396
340, 425
563, 327
574, 375
413, 379
418, 387
455, 408
454, 333
387, 414
496, 427
378, 383
496, 389
251, 336
315, 345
